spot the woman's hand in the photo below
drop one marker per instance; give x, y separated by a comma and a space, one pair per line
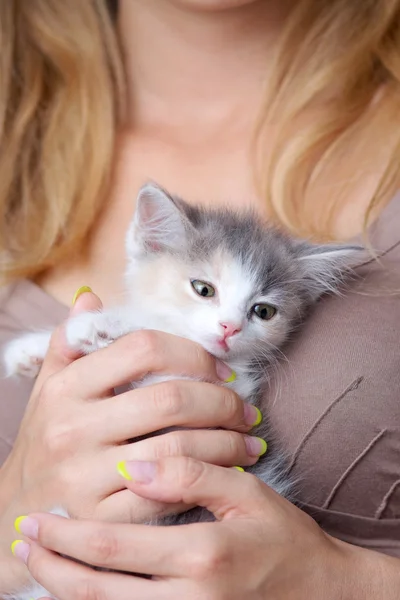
261, 547
74, 430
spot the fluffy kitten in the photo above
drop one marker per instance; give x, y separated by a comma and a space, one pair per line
224, 280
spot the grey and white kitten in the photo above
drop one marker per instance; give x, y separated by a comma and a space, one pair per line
222, 279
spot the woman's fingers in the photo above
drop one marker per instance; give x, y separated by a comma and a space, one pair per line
218, 447
145, 549
171, 404
224, 492
141, 549
59, 354
132, 357
215, 446
67, 580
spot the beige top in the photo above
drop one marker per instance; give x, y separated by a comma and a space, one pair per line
336, 406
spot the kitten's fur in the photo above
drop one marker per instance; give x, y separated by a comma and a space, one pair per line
170, 244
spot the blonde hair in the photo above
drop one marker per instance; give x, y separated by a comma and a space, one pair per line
61, 102
61, 88
344, 58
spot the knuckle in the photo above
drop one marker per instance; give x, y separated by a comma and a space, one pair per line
234, 444
190, 473
61, 439
53, 387
168, 398
255, 487
86, 589
231, 404
146, 342
169, 444
103, 547
211, 559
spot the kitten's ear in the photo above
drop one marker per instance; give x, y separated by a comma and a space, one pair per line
326, 266
159, 222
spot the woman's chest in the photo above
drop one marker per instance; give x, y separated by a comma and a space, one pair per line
215, 171
335, 406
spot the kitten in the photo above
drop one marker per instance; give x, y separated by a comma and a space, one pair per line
224, 280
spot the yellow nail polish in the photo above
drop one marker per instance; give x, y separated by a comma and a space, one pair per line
231, 378
239, 469
121, 468
79, 292
264, 446
259, 416
14, 545
18, 522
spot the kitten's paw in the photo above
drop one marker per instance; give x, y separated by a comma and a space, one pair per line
90, 331
25, 355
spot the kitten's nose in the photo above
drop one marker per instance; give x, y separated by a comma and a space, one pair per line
230, 329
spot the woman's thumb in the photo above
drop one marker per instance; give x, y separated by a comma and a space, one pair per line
59, 354
179, 479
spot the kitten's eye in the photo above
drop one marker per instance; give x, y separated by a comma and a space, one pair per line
264, 311
202, 288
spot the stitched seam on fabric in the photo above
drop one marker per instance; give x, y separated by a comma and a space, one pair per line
353, 386
351, 467
383, 505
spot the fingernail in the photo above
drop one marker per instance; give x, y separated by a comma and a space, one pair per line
82, 290
252, 415
27, 526
137, 470
21, 550
121, 468
224, 372
255, 446
239, 469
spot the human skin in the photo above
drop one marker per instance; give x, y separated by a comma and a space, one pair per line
73, 420
261, 546
182, 133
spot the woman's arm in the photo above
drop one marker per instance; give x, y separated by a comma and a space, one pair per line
261, 546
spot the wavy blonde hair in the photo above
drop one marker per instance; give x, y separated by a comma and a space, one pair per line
61, 88
61, 103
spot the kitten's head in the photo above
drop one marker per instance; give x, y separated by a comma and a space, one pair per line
223, 279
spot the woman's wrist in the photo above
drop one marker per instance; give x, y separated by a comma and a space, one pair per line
366, 574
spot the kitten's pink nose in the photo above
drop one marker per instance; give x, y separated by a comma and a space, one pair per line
230, 329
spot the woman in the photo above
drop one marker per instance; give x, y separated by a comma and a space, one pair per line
292, 106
